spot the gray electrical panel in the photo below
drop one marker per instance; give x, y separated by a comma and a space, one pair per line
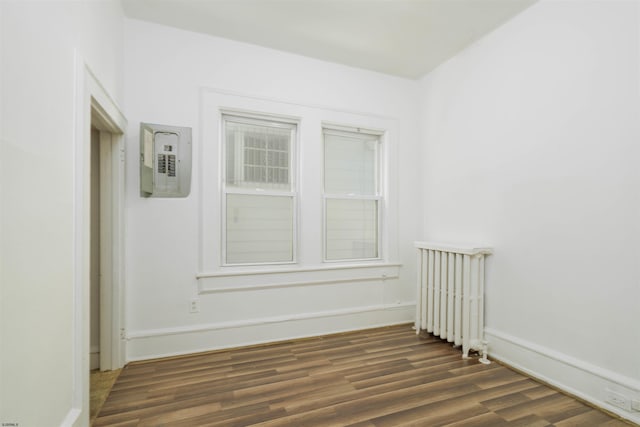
165, 160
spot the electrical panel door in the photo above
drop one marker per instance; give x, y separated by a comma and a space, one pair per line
165, 160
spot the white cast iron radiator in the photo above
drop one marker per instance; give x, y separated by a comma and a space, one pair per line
450, 301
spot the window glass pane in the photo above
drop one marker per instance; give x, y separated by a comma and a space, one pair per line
351, 229
259, 228
350, 164
258, 156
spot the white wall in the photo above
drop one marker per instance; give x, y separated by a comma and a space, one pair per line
37, 194
180, 78
531, 146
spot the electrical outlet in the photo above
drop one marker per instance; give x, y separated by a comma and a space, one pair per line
617, 399
194, 307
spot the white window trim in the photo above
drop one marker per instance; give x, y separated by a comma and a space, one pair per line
249, 117
311, 119
379, 197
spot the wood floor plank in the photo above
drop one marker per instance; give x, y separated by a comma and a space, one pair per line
487, 419
505, 401
532, 420
592, 416
554, 407
381, 377
426, 416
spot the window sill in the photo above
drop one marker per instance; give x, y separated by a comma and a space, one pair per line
211, 282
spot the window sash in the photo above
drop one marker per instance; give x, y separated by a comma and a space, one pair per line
254, 163
259, 231
343, 175
365, 243
254, 220
359, 242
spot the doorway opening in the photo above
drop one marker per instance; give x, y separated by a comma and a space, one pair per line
105, 226
105, 240
97, 117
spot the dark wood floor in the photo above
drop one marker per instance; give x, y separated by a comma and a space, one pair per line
380, 377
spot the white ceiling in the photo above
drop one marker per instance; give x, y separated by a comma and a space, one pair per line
406, 38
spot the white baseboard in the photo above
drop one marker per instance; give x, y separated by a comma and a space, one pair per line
574, 376
72, 419
152, 344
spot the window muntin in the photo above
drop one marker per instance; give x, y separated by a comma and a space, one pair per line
352, 196
259, 197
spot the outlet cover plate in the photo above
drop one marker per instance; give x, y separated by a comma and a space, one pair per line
617, 399
194, 306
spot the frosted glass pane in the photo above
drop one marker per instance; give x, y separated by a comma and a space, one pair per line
257, 156
259, 229
351, 229
350, 165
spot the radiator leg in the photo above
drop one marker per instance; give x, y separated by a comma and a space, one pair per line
483, 359
465, 352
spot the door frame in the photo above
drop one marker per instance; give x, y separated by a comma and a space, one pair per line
111, 250
93, 104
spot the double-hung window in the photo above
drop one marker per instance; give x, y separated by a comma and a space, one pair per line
352, 194
259, 194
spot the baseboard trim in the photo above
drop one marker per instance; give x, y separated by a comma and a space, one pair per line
72, 419
262, 321
169, 342
576, 377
